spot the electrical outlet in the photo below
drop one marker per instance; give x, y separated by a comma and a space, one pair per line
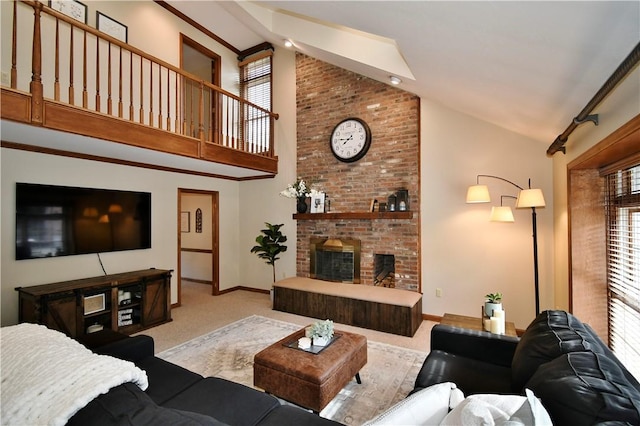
438, 292
6, 80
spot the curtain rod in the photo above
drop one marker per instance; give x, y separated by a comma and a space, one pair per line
618, 75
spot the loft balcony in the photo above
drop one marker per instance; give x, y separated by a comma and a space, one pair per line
113, 101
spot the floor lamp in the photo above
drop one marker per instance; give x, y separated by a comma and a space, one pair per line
527, 198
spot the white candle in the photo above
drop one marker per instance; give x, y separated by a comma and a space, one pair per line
495, 325
304, 342
487, 324
499, 313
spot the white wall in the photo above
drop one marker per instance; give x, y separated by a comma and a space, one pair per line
21, 166
260, 200
462, 252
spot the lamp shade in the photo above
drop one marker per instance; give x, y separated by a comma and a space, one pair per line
501, 214
530, 198
478, 194
90, 212
115, 208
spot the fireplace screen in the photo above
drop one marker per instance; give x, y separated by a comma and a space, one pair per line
335, 260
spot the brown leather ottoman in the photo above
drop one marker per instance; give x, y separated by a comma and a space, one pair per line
307, 379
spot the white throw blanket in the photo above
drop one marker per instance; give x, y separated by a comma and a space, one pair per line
48, 377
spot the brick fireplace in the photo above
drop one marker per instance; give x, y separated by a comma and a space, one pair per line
325, 96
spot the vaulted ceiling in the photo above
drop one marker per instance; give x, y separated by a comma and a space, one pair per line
527, 66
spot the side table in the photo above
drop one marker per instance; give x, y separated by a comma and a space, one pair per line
474, 323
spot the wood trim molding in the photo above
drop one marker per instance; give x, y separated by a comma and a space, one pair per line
196, 25
197, 280
622, 143
193, 250
63, 153
241, 287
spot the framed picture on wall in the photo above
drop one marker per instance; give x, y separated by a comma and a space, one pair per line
71, 8
111, 27
185, 222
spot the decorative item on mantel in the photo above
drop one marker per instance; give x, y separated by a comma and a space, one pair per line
299, 190
398, 201
403, 200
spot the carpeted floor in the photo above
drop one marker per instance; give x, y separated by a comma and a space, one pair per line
201, 313
228, 353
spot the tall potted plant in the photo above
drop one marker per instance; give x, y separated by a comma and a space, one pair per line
270, 245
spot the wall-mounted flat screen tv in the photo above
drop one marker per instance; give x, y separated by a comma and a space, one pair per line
63, 221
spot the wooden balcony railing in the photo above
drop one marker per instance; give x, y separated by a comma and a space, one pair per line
86, 82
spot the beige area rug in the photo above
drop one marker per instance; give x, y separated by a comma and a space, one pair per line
228, 352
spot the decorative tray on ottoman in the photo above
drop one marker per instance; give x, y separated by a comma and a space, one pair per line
314, 349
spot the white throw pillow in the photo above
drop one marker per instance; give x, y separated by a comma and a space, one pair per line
532, 412
504, 410
425, 407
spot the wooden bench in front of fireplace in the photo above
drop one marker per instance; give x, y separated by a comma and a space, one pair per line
377, 308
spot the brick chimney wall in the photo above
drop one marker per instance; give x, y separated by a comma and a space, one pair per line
325, 96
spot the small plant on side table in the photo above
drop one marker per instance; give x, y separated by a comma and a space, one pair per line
494, 297
493, 301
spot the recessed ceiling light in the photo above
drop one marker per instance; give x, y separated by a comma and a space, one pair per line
287, 43
394, 80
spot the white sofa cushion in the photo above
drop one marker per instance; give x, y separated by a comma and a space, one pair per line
425, 407
507, 410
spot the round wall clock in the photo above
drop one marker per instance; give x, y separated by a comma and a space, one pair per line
350, 140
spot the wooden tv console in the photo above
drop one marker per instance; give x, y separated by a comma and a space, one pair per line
126, 302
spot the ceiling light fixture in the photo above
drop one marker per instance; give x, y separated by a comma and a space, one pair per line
394, 80
288, 43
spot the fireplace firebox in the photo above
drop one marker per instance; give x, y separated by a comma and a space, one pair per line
335, 260
384, 268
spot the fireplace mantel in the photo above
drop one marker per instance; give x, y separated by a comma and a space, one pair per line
353, 215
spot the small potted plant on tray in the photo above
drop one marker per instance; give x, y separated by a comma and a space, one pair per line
493, 301
321, 332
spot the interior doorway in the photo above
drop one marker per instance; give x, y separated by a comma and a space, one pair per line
205, 64
198, 242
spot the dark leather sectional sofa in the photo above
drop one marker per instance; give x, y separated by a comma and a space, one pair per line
576, 376
177, 396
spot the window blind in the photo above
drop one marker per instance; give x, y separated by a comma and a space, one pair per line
255, 86
623, 265
256, 81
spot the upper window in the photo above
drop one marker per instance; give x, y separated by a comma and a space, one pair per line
255, 87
